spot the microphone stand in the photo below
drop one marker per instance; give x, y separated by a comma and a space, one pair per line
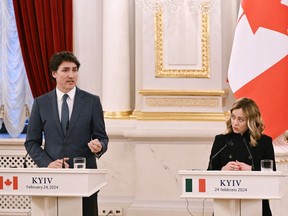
211, 160
25, 160
229, 143
250, 155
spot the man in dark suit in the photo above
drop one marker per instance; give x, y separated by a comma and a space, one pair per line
84, 132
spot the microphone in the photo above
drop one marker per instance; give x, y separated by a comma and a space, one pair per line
65, 138
25, 157
211, 160
250, 155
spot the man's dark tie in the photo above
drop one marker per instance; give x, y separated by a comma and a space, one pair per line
64, 113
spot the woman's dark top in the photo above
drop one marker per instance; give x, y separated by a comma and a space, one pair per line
237, 149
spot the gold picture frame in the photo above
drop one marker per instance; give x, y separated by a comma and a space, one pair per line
203, 72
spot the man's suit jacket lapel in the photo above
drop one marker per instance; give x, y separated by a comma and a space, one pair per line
77, 107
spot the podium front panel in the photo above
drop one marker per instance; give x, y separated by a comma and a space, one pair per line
233, 184
51, 182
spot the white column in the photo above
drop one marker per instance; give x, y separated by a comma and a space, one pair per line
116, 59
87, 44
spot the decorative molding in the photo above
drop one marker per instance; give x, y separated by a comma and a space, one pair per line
180, 116
191, 103
160, 92
182, 102
203, 72
118, 115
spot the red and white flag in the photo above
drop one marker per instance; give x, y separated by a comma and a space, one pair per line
6, 183
259, 60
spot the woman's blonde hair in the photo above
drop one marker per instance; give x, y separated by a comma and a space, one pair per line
253, 115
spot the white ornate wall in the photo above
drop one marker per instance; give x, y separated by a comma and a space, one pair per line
177, 107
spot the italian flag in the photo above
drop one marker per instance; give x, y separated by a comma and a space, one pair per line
198, 185
259, 60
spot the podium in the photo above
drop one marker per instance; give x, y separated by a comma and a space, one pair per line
235, 193
53, 191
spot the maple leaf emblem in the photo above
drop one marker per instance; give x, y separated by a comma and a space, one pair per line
7, 182
270, 14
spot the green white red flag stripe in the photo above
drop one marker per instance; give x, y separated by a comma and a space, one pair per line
195, 185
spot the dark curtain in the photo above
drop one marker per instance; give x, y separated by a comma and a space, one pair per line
44, 27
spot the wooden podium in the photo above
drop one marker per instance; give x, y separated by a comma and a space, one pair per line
234, 193
53, 191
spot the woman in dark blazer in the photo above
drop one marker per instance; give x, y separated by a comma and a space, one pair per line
246, 144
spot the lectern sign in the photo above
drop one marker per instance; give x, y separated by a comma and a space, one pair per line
42, 183
221, 185
53, 192
234, 192
230, 184
46, 182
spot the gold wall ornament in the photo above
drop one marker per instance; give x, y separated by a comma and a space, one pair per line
180, 116
117, 115
182, 102
173, 5
180, 92
204, 71
184, 98
182, 105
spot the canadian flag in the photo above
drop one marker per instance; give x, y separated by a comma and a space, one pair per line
259, 60
7, 183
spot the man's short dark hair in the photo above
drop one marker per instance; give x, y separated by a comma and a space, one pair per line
64, 56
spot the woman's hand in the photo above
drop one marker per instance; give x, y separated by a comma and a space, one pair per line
236, 166
231, 166
244, 166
